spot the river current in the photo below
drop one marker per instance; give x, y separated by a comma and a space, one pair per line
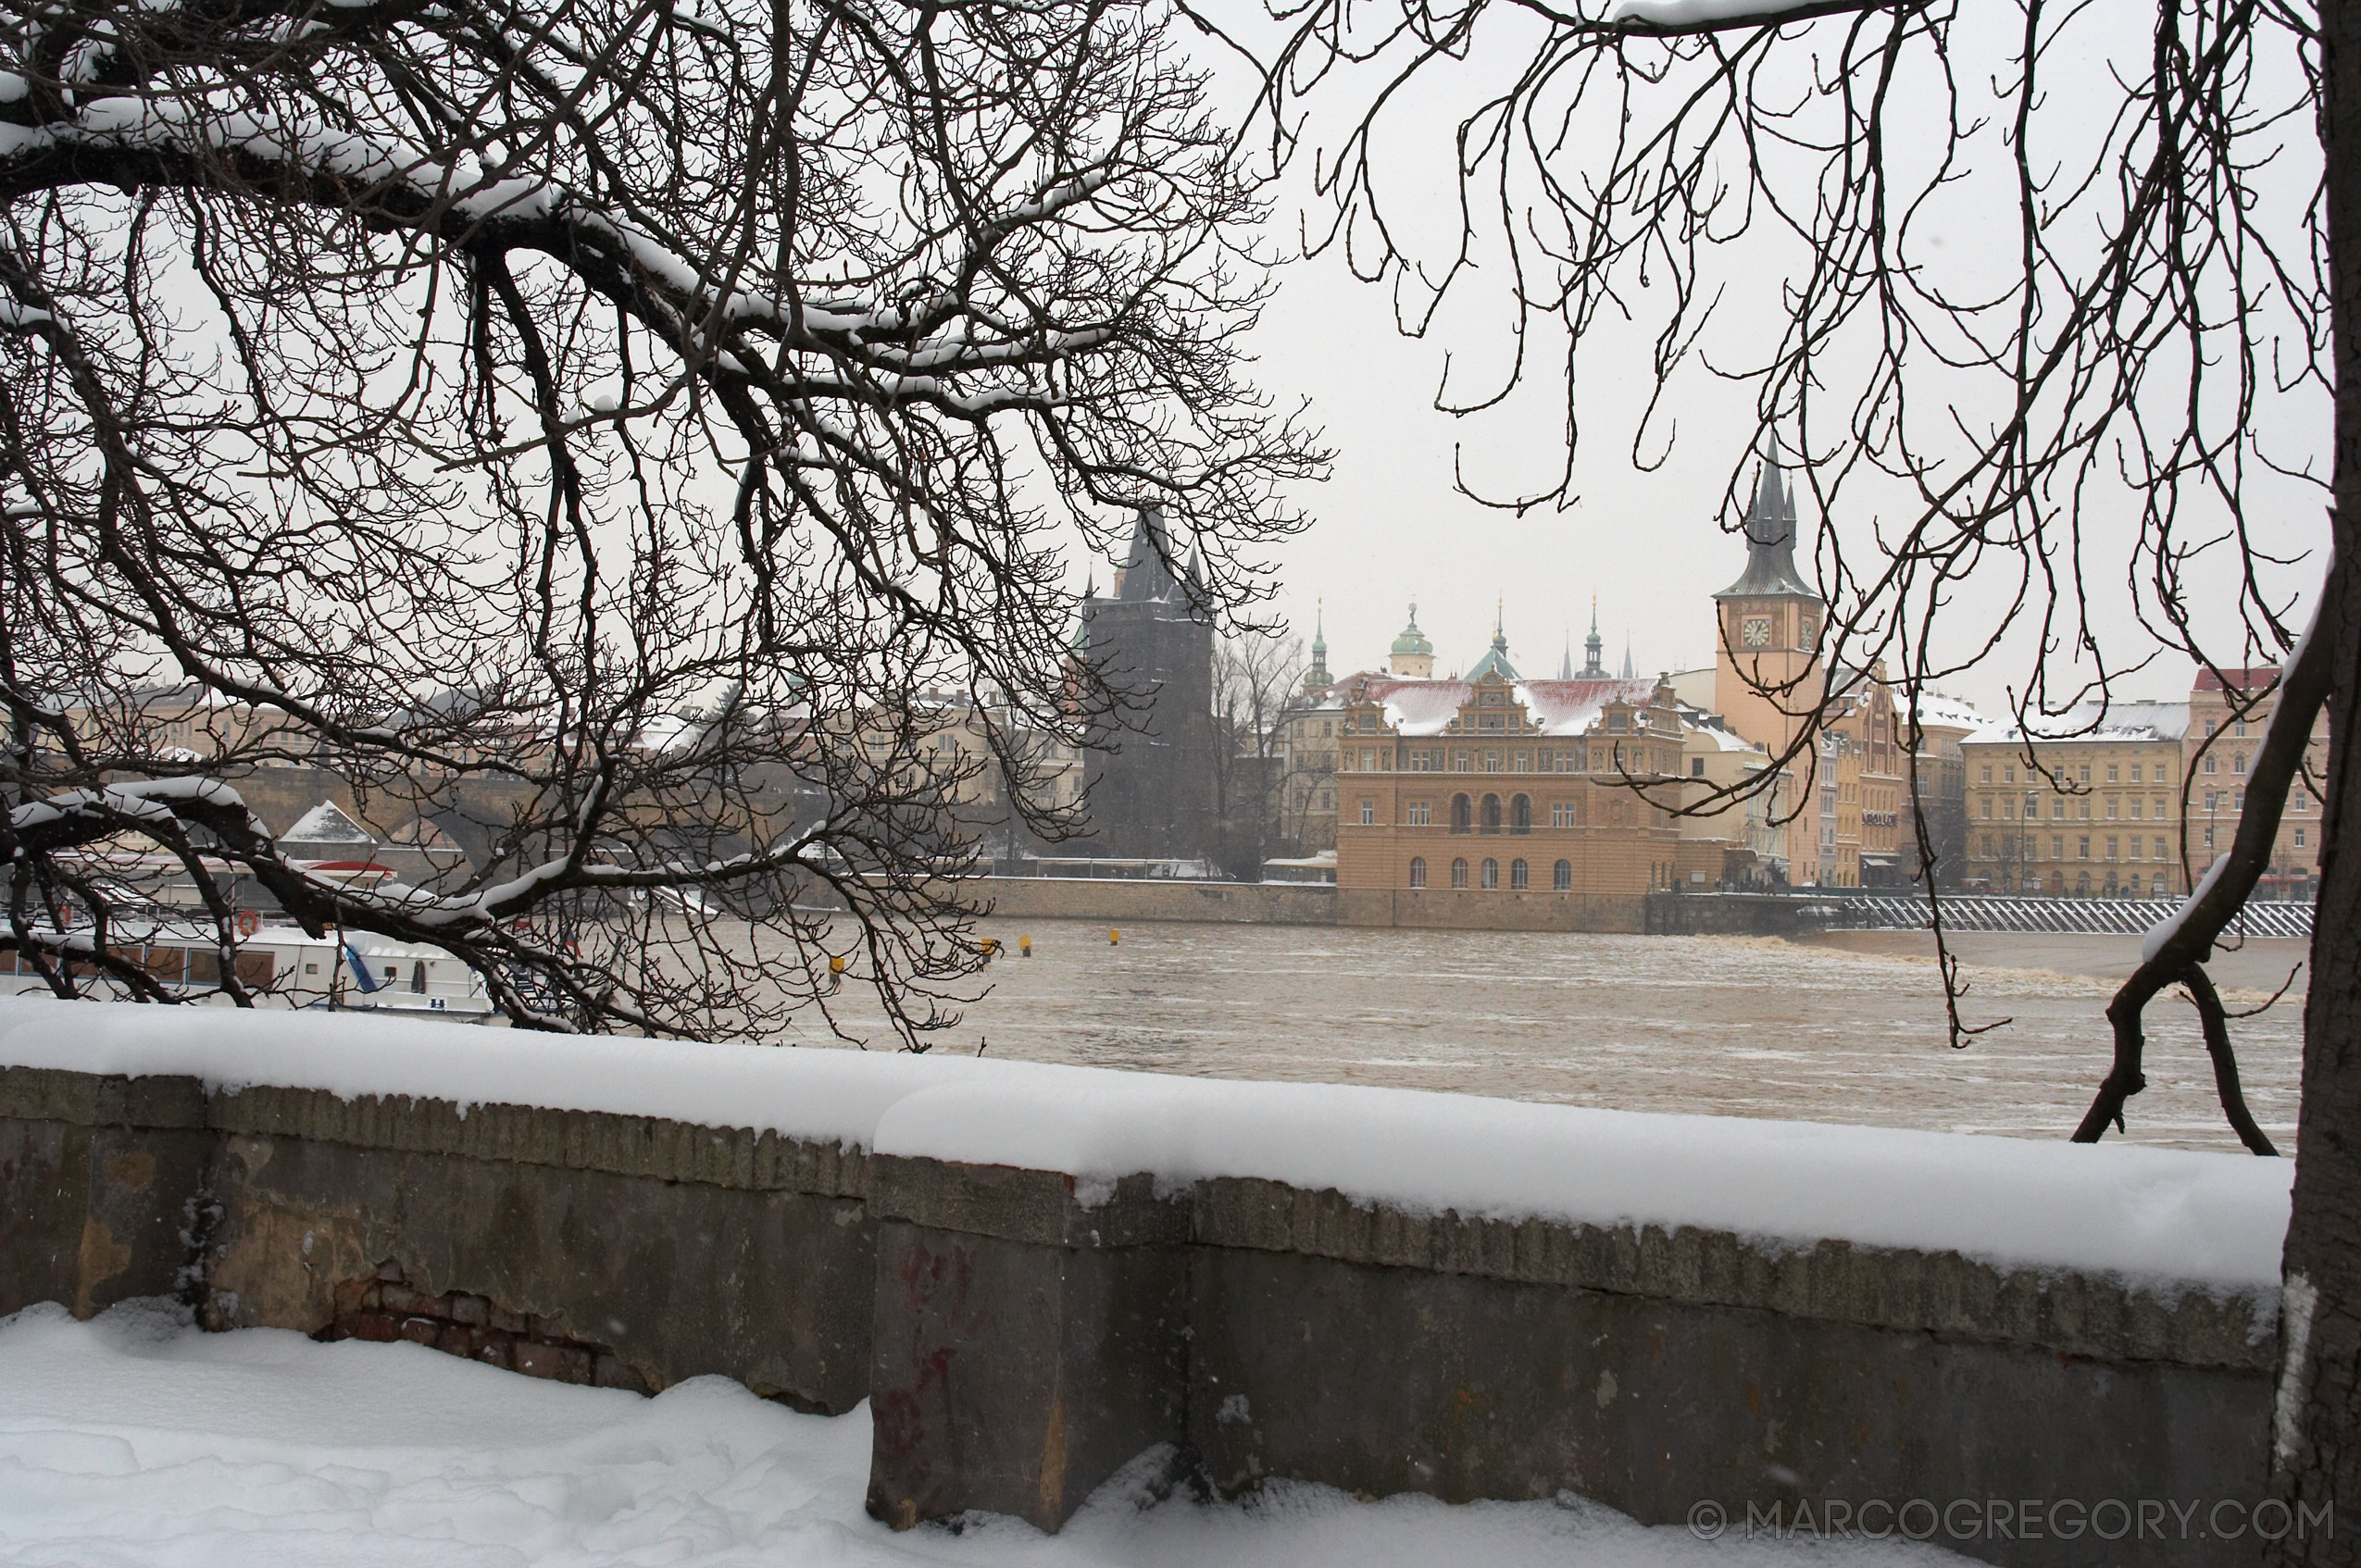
1849, 1030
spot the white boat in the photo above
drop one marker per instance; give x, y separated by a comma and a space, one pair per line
286, 966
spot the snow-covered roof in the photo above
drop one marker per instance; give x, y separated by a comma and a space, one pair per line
1417, 708
326, 824
1939, 712
1423, 707
1569, 707
1704, 731
2092, 724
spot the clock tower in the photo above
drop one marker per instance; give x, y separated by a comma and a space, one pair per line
1766, 672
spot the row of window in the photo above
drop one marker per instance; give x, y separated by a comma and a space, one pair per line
1420, 759
2298, 804
1561, 875
1467, 818
2032, 846
2059, 812
2162, 772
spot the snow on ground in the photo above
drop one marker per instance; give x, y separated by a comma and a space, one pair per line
2169, 1218
134, 1439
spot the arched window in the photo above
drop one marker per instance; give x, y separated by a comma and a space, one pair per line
1517, 874
2160, 884
1520, 814
1459, 814
1418, 871
1458, 873
1561, 877
1491, 813
418, 977
2083, 885
1491, 876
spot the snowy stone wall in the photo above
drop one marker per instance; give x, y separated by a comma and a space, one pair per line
1036, 1274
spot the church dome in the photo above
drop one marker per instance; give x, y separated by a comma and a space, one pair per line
1412, 640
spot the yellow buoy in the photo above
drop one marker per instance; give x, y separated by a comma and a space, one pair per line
835, 965
1114, 938
990, 946
1024, 947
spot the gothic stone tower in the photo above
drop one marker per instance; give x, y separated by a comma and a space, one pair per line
1766, 672
1152, 762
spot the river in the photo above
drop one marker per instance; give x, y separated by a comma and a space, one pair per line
1848, 1027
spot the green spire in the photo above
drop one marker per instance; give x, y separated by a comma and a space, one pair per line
1496, 659
1317, 677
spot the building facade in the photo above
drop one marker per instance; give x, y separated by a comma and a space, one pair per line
1498, 785
2094, 812
2227, 713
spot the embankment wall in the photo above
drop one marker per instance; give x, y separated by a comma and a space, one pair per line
1120, 902
1023, 1332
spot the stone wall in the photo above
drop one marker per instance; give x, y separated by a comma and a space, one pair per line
1121, 902
1018, 1345
1733, 915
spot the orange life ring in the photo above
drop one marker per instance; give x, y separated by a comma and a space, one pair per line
248, 923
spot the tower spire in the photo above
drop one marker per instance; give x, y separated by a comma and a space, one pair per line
1770, 529
1592, 645
1317, 677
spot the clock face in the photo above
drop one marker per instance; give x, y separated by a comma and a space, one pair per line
1754, 631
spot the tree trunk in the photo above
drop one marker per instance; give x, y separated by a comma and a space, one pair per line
2317, 1432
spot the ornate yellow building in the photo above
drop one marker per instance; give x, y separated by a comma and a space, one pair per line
1542, 790
1569, 789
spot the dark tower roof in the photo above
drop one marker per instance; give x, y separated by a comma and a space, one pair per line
1147, 571
1770, 538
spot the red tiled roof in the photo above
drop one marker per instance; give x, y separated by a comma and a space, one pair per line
2244, 680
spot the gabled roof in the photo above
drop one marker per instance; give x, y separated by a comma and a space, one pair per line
326, 824
1495, 660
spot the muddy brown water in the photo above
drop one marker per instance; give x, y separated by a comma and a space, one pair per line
1843, 1027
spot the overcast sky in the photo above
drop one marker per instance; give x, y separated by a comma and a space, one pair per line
1389, 527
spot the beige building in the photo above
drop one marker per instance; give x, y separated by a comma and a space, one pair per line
2227, 713
2094, 812
1746, 828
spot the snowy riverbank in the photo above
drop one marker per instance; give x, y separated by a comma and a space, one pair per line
135, 1440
